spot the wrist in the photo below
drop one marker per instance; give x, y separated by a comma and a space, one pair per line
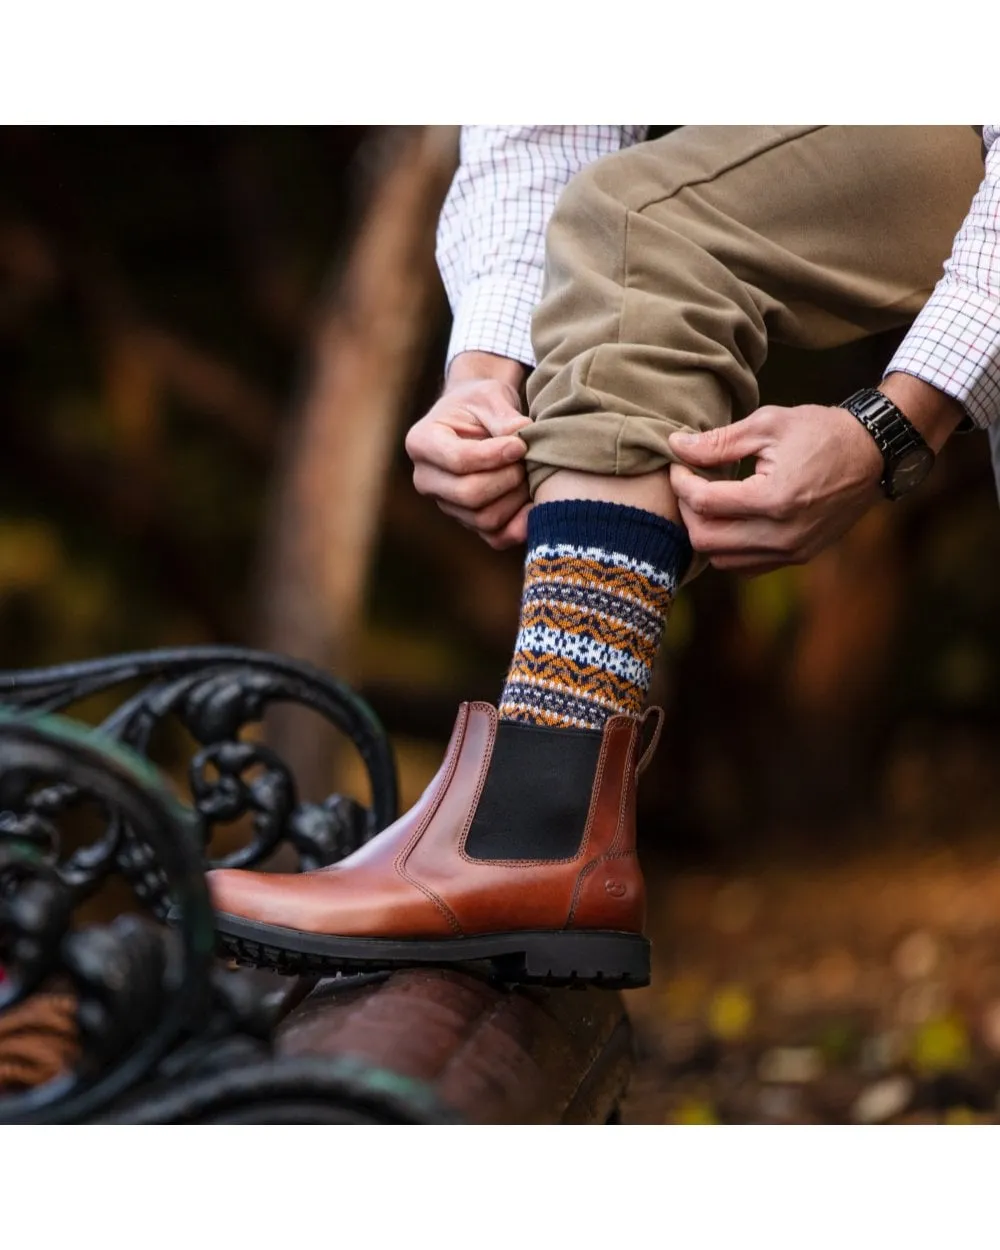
933, 414
484, 366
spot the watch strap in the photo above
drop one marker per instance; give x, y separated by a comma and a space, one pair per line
893, 433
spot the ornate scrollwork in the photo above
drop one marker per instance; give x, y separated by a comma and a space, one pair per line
289, 1090
155, 1016
215, 693
138, 988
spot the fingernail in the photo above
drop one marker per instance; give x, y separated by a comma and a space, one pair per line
514, 451
682, 437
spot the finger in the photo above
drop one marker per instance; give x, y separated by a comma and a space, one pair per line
465, 427
513, 534
478, 393
492, 518
750, 497
742, 540
501, 420
439, 445
495, 411
711, 537
468, 427
470, 490
725, 444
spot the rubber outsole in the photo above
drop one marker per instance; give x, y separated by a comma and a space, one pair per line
557, 958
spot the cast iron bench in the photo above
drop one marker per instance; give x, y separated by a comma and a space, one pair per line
138, 1021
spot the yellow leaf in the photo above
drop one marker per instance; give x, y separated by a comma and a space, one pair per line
941, 1045
695, 1111
730, 1013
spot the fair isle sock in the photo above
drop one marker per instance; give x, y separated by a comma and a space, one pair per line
599, 581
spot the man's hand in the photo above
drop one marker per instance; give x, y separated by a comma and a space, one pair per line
817, 472
466, 454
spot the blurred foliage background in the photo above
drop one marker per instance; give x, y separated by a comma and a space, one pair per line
173, 304
211, 343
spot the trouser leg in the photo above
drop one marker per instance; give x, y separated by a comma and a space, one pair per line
672, 265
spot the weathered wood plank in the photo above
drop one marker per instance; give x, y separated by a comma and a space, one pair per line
490, 1053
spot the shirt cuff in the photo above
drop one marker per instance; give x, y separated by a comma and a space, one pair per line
494, 315
954, 345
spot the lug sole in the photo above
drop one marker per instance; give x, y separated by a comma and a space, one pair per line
558, 957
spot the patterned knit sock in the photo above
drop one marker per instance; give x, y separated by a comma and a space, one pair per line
599, 581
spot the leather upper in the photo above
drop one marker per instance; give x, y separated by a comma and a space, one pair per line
415, 879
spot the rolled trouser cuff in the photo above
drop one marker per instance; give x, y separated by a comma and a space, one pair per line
600, 443
607, 446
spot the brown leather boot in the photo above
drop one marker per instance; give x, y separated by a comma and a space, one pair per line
440, 887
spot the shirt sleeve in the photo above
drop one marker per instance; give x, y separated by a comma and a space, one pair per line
491, 235
954, 344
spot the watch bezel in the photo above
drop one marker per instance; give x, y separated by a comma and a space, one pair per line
926, 463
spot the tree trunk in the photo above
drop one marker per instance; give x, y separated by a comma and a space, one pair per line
367, 353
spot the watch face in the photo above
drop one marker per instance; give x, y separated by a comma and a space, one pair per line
911, 469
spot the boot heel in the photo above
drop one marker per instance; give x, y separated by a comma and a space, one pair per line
605, 959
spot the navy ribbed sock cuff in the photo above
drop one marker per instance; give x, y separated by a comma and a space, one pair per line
613, 527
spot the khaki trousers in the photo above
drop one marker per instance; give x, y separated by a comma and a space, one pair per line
672, 265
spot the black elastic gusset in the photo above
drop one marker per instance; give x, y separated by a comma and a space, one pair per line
537, 794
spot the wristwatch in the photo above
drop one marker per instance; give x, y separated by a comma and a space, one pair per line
906, 456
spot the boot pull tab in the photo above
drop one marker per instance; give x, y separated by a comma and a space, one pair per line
647, 755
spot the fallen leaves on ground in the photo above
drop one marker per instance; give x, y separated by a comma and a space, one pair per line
867, 993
